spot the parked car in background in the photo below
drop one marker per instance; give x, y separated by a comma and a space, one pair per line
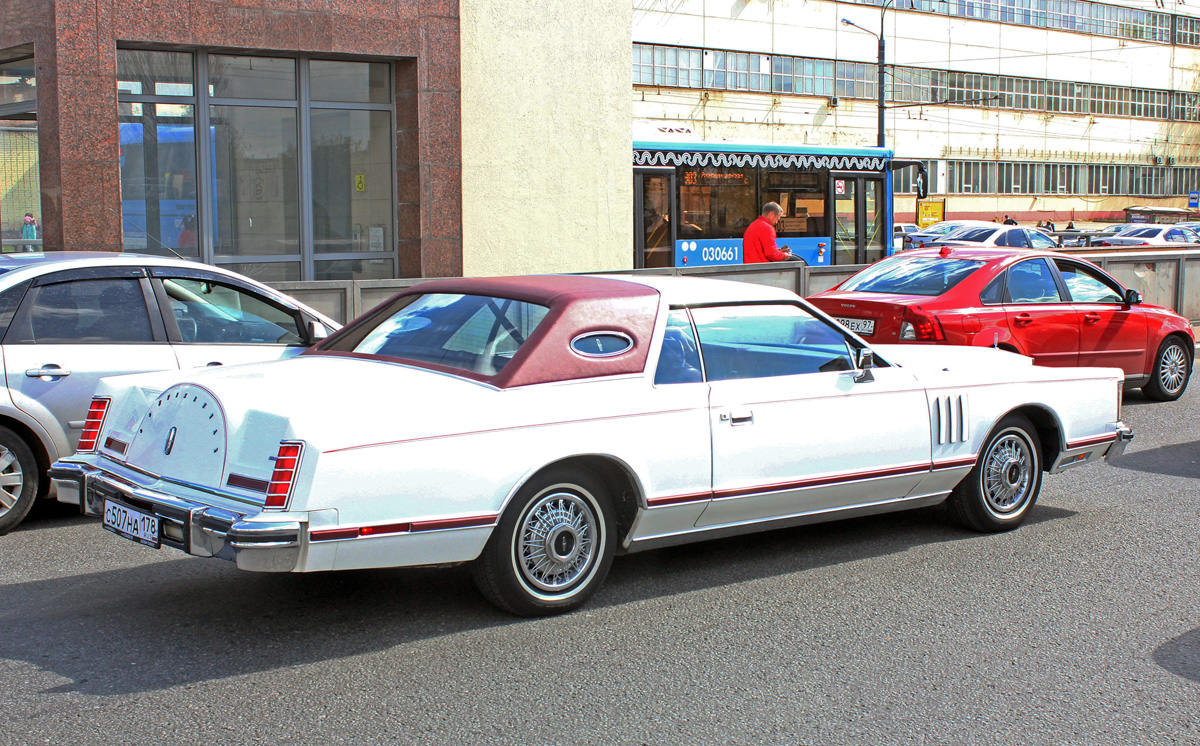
1150, 235
899, 231
936, 231
67, 319
536, 426
1059, 310
1013, 236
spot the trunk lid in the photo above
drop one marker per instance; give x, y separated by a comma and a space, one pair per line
880, 315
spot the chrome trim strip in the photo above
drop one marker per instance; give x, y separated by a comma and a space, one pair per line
797, 519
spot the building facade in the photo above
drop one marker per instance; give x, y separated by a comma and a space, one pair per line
1041, 109
299, 140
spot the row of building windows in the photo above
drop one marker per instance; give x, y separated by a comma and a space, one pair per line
1067, 15
742, 71
1014, 177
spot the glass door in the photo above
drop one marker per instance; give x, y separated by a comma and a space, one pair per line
653, 226
845, 212
875, 214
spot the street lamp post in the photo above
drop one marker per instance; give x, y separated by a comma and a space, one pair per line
882, 66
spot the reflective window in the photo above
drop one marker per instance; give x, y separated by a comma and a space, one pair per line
468, 332
993, 293
1041, 241
251, 77
90, 312
1088, 286
766, 341
352, 181
357, 82
158, 179
257, 183
213, 313
1032, 282
18, 81
679, 361
912, 275
972, 234
148, 73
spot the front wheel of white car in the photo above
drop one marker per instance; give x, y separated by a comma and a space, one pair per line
552, 547
1002, 488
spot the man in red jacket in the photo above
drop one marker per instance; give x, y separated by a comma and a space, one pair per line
758, 243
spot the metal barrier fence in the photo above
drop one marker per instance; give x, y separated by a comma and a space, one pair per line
1161, 276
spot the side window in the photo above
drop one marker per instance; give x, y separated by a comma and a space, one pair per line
993, 293
1016, 238
1041, 241
1176, 236
1002, 239
90, 312
1032, 282
9, 301
679, 361
1086, 286
209, 312
767, 341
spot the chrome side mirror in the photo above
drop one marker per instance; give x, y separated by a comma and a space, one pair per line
316, 331
864, 360
1132, 297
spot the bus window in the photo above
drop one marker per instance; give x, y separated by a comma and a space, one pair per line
802, 197
716, 202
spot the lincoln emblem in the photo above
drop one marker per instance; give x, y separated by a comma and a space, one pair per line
170, 442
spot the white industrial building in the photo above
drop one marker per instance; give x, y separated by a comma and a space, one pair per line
1036, 108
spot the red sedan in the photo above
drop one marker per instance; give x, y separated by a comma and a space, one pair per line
1059, 310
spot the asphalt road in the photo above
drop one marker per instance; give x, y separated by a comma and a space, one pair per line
1081, 627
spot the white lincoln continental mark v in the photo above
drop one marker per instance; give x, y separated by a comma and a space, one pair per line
536, 426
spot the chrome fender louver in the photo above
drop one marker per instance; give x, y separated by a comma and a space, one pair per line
950, 417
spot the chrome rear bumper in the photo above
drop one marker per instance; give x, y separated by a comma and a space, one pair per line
1111, 446
200, 530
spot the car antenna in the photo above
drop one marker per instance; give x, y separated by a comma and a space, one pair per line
152, 238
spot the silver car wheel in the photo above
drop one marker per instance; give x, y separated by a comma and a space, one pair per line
1172, 369
1008, 474
12, 480
556, 541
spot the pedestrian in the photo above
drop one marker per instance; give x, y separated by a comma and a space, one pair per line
187, 240
1071, 225
758, 242
1009, 221
1040, 224
29, 231
1050, 225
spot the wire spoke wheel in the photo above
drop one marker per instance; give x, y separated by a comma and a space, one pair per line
555, 545
1007, 474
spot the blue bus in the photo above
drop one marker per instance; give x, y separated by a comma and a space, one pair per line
158, 188
693, 200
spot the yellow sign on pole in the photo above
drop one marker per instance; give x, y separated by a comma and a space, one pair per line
930, 211
360, 182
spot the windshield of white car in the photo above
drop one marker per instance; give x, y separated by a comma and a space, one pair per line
971, 233
941, 228
918, 275
1141, 232
470, 332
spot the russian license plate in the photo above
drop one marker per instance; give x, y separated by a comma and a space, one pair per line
131, 523
865, 327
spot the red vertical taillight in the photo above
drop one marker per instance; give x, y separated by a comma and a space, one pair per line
287, 462
93, 424
918, 327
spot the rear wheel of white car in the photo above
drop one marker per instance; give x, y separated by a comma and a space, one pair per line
1172, 367
1000, 491
18, 480
552, 547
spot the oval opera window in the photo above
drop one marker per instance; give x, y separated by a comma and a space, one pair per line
601, 344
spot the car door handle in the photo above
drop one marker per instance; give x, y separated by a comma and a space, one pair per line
213, 364
1023, 319
1091, 318
48, 371
745, 417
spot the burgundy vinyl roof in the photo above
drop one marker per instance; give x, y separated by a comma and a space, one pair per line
578, 304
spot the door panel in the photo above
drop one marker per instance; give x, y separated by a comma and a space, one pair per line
1111, 334
845, 212
811, 442
1044, 326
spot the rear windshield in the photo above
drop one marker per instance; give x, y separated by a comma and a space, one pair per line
1142, 232
942, 228
470, 332
971, 234
917, 275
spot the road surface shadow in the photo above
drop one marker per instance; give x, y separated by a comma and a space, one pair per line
189, 620
1181, 656
1179, 460
51, 514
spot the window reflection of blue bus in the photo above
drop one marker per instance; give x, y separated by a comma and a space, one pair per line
694, 199
158, 188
